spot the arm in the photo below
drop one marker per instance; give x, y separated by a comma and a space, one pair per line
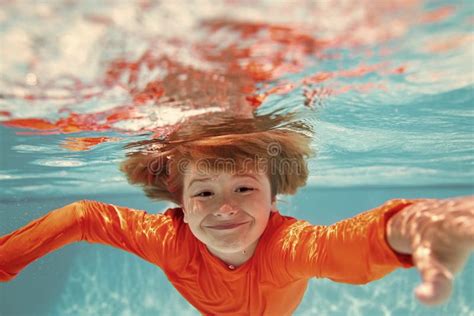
146, 235
38, 238
354, 250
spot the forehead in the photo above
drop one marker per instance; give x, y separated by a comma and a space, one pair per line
197, 171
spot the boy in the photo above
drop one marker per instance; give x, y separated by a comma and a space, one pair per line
226, 248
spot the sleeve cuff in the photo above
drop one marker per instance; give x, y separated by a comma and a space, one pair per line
395, 206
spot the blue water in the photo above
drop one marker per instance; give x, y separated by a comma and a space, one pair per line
413, 138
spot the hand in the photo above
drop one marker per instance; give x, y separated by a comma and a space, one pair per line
440, 236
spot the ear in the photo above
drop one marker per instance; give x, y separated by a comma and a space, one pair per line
273, 204
185, 214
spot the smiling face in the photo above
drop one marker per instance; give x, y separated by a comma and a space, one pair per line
228, 212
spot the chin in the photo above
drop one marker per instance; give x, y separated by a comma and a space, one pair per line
232, 247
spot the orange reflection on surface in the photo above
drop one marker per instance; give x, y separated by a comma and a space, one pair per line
233, 65
31, 123
85, 143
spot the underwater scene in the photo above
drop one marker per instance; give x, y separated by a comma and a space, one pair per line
387, 87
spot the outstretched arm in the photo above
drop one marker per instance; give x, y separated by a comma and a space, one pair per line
354, 250
146, 235
38, 238
435, 236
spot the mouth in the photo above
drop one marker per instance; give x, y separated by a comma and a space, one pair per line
226, 226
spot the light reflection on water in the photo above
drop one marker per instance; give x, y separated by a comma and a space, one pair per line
387, 84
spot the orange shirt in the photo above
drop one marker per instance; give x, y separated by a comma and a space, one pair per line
272, 282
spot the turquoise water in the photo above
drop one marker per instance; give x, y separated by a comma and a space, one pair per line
392, 108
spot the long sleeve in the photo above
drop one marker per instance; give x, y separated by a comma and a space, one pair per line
146, 235
354, 250
38, 238
150, 236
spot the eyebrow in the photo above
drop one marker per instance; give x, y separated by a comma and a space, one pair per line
210, 178
199, 180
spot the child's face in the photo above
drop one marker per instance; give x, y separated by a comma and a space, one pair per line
227, 212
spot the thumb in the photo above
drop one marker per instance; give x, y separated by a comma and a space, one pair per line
437, 280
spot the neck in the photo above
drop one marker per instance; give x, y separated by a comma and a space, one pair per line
235, 258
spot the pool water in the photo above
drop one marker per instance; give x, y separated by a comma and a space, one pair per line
388, 87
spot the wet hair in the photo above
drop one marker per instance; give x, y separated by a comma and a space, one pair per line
276, 144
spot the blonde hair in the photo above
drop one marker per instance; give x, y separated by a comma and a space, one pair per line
278, 143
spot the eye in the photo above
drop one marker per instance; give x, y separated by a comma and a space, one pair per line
245, 189
203, 194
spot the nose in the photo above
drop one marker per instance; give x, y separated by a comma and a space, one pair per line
226, 209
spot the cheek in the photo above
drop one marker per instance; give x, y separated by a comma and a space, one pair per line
262, 202
194, 214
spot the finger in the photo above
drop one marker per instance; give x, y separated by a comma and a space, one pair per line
437, 280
